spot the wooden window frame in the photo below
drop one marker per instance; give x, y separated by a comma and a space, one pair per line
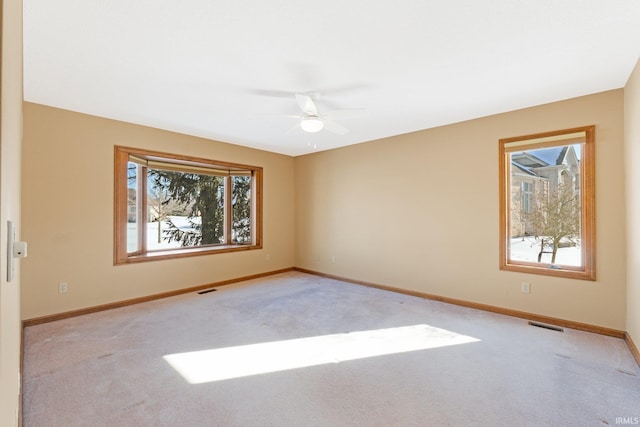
121, 160
587, 185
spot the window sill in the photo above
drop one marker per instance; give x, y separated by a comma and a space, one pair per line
183, 253
549, 270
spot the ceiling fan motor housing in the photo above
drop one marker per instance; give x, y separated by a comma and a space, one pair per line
311, 123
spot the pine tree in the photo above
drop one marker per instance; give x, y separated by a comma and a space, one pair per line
241, 209
202, 197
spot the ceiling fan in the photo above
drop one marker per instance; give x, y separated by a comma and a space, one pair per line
312, 120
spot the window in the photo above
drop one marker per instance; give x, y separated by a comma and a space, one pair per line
169, 206
527, 194
547, 203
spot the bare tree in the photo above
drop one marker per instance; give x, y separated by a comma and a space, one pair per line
162, 204
556, 217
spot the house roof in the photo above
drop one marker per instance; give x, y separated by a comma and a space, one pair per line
553, 155
522, 168
529, 161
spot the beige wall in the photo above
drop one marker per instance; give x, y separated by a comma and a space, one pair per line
416, 211
632, 151
68, 213
11, 122
420, 212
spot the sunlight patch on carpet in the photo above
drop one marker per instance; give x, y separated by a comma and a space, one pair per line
235, 362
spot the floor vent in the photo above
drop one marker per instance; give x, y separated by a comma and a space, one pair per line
550, 327
206, 291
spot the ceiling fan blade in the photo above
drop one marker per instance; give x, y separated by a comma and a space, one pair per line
349, 113
272, 93
307, 103
335, 127
293, 129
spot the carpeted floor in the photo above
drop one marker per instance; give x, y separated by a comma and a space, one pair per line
300, 350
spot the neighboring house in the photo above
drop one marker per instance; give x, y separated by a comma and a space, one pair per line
536, 174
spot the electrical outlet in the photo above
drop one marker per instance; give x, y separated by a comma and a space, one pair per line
333, 258
63, 288
267, 257
525, 287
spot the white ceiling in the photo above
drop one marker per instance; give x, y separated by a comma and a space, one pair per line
228, 70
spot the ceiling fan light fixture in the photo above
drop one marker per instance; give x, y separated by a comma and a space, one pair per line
311, 124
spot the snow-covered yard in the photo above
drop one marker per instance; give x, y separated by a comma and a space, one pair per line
181, 222
527, 249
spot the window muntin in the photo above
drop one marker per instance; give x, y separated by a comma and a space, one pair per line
170, 206
547, 203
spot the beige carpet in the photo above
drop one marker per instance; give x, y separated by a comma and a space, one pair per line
299, 350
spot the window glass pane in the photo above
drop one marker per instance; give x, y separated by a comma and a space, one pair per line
527, 195
161, 209
133, 211
545, 206
184, 209
241, 209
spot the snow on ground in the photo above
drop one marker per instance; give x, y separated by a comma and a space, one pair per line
152, 233
527, 249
